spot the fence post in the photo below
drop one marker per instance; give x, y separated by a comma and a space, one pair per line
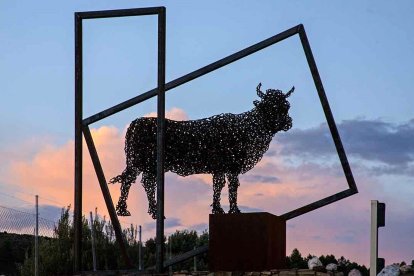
93, 242
37, 238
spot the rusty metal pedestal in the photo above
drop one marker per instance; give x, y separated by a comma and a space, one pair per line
247, 242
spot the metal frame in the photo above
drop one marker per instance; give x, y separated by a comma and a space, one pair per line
83, 127
83, 124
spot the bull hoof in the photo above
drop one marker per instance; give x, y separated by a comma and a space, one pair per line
234, 210
154, 216
123, 213
121, 209
218, 210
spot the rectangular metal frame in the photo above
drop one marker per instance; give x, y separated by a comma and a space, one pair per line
84, 123
82, 127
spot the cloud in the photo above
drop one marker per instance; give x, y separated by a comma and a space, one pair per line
201, 227
371, 140
168, 223
341, 228
346, 238
174, 113
172, 222
49, 172
260, 178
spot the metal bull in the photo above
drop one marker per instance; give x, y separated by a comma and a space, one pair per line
224, 145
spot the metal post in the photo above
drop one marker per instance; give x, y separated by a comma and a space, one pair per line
37, 238
374, 239
77, 214
79, 124
106, 194
377, 220
140, 249
160, 143
327, 110
93, 241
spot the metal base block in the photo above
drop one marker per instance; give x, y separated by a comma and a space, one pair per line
247, 242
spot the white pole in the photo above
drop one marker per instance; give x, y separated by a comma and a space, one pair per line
93, 242
374, 239
140, 249
37, 238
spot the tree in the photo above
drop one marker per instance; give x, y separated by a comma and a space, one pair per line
184, 241
295, 260
328, 259
56, 254
149, 253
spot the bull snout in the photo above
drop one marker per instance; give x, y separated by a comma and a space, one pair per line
288, 124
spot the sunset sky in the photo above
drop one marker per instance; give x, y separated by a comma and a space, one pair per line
365, 56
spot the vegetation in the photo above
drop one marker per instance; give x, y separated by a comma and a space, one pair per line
56, 254
295, 260
13, 248
184, 241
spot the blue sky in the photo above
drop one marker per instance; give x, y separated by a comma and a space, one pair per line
364, 52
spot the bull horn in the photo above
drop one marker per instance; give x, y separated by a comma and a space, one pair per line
259, 93
290, 91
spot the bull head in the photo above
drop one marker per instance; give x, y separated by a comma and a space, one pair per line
269, 91
262, 95
273, 109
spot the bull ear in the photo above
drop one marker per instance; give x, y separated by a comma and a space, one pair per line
290, 92
259, 93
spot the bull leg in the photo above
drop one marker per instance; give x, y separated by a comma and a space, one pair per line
127, 177
233, 185
218, 183
149, 182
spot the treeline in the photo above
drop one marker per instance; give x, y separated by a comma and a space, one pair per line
13, 248
295, 260
56, 254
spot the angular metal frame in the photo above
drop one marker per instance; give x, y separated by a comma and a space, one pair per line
82, 127
159, 91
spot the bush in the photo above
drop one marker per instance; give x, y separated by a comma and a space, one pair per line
56, 254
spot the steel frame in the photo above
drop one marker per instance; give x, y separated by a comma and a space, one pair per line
82, 125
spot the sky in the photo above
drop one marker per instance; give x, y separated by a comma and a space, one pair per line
365, 56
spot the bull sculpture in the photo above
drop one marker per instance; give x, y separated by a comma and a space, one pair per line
224, 145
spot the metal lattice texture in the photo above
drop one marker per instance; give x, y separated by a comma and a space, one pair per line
18, 222
224, 145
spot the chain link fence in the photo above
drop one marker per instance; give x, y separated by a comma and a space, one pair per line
20, 222
23, 222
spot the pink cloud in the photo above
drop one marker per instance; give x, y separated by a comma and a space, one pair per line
173, 114
341, 228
